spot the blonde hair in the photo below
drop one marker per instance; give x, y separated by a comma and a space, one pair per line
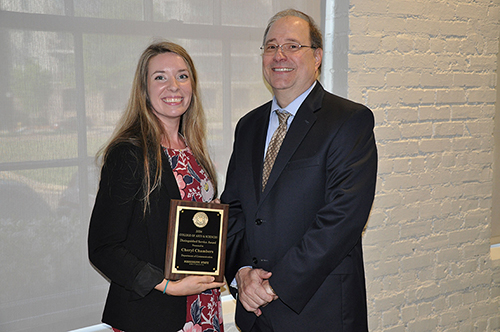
140, 126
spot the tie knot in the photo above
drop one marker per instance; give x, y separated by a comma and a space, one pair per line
282, 115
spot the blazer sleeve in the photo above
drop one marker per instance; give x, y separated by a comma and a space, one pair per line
351, 167
118, 205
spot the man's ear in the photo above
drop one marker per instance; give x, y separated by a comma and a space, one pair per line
318, 57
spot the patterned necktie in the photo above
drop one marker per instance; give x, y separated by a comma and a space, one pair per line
274, 145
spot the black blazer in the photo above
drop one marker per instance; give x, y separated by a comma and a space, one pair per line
130, 249
306, 226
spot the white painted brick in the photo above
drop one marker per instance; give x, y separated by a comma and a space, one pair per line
465, 144
364, 44
487, 95
369, 6
418, 96
390, 317
401, 182
400, 328
384, 303
422, 65
447, 225
454, 63
405, 7
417, 164
385, 166
494, 322
370, 79
489, 113
448, 319
388, 44
482, 62
433, 242
480, 157
416, 195
453, 28
357, 60
415, 229
449, 129
433, 80
409, 312
450, 96
462, 236
466, 112
397, 249
405, 43
441, 11
380, 116
403, 79
434, 145
480, 127
428, 113
437, 45
453, 45
358, 25
466, 327
418, 262
474, 44
386, 24
471, 11
404, 148
421, 61
384, 61
420, 26
484, 309
382, 97
416, 130
474, 79
374, 236
401, 165
428, 324
388, 132
449, 160
421, 45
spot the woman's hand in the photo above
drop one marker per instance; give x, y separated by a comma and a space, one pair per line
216, 201
189, 285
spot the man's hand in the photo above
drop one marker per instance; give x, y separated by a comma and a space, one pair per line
254, 290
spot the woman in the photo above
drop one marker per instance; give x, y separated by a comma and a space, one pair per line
157, 153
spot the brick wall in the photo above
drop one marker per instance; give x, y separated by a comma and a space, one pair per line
428, 71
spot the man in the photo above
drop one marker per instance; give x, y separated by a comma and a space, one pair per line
294, 236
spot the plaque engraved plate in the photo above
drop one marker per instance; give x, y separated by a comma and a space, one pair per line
196, 242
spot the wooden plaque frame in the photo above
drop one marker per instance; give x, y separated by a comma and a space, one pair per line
196, 241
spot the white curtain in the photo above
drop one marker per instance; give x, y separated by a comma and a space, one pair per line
66, 68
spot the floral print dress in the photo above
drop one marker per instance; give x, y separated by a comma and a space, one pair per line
204, 311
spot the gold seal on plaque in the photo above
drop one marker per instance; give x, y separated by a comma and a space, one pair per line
200, 219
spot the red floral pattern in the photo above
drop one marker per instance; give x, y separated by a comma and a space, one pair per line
192, 180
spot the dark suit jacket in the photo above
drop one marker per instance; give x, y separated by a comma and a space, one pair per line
306, 226
130, 249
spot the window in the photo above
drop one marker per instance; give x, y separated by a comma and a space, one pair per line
66, 70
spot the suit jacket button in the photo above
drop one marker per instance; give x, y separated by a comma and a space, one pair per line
255, 260
258, 222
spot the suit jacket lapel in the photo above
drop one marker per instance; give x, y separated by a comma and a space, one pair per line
303, 121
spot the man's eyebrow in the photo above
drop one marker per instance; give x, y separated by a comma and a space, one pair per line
287, 40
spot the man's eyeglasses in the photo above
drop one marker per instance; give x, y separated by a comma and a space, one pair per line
270, 49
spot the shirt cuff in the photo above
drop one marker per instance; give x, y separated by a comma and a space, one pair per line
233, 283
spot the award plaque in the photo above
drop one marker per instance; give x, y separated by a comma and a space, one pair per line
196, 242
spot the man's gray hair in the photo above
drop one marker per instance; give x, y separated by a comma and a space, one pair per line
314, 32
